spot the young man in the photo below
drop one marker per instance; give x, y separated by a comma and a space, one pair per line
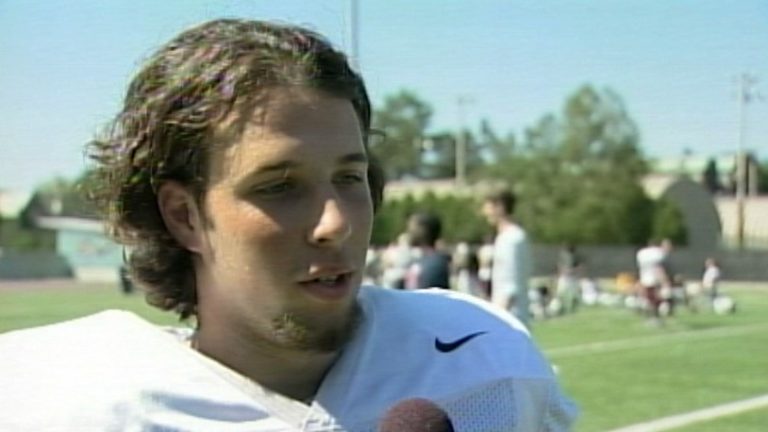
654, 277
511, 256
432, 268
239, 175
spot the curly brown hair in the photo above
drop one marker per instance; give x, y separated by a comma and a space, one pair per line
164, 132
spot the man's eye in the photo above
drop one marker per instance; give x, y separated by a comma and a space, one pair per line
351, 178
275, 188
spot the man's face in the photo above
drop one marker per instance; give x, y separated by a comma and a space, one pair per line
415, 232
491, 211
289, 218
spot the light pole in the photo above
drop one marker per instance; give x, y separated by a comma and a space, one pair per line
354, 36
461, 140
746, 93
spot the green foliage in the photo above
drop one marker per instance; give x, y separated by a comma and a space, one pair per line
15, 237
581, 209
460, 217
404, 119
577, 175
409, 150
390, 219
494, 147
438, 156
598, 129
668, 222
762, 178
711, 177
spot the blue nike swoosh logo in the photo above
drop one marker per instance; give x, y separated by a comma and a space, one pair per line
446, 347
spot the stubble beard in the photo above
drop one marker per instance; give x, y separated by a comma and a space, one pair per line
299, 331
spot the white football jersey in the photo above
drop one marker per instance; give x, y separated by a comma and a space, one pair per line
115, 371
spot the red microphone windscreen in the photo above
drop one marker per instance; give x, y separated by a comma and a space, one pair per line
415, 415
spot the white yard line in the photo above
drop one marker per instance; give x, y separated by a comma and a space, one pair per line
685, 419
646, 341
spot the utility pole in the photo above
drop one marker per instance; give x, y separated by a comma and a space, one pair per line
461, 140
746, 94
354, 37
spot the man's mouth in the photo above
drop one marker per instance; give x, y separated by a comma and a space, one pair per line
331, 287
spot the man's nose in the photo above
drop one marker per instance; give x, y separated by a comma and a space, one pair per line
333, 226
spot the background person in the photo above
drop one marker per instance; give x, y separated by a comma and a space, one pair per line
432, 267
654, 278
485, 262
396, 259
467, 273
569, 270
710, 279
511, 256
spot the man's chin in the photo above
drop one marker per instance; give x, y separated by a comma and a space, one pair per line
312, 333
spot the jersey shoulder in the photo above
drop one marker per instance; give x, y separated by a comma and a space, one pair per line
442, 324
127, 371
445, 346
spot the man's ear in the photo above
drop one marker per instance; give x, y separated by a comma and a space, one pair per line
181, 215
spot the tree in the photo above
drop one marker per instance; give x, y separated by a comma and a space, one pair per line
762, 178
493, 147
461, 221
404, 119
668, 222
577, 175
496, 153
711, 177
598, 131
438, 156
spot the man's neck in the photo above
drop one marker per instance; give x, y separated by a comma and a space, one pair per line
294, 373
427, 250
505, 223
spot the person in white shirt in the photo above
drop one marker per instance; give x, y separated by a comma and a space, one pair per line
654, 276
511, 256
397, 259
710, 280
239, 174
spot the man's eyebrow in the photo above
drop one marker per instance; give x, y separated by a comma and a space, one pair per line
278, 166
282, 166
354, 158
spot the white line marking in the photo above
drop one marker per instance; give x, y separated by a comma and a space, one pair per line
646, 341
701, 415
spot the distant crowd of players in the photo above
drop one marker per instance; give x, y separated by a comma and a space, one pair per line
419, 259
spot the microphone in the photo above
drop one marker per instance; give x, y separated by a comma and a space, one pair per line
415, 415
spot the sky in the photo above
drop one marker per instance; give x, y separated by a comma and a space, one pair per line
64, 65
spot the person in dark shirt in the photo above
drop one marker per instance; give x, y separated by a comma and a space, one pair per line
432, 268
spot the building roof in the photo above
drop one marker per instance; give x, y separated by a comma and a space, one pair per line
69, 224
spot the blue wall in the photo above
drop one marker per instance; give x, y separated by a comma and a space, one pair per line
88, 249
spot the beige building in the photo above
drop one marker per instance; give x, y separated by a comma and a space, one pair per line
755, 221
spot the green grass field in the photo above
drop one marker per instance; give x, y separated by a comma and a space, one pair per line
622, 371
617, 368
